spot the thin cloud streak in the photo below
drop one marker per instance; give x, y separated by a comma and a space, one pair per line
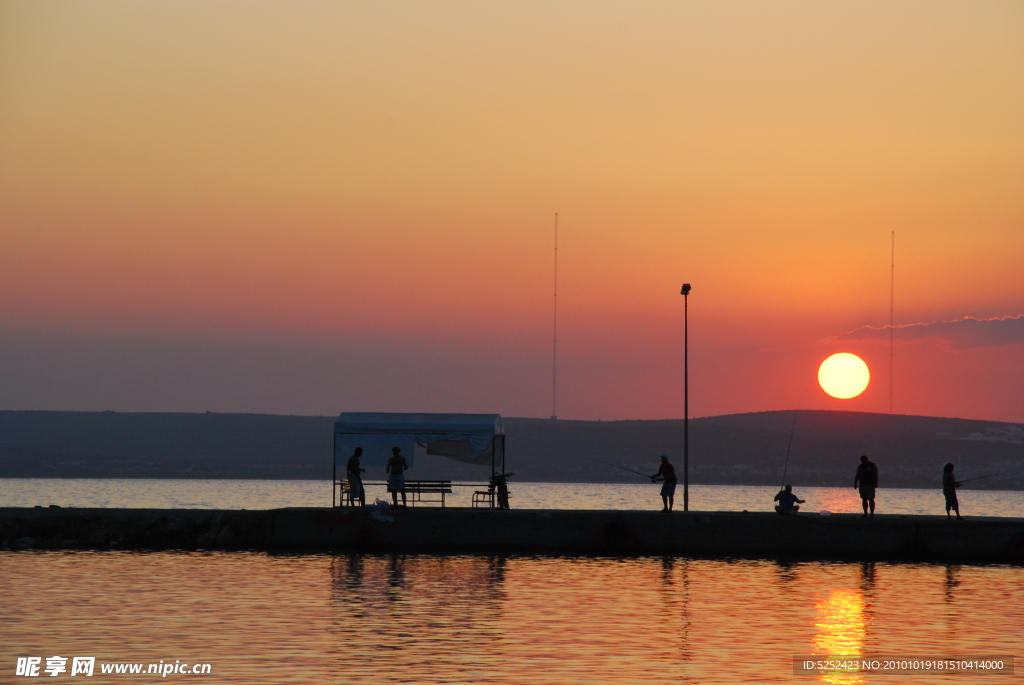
960, 334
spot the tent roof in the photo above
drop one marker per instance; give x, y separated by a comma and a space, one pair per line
385, 422
464, 437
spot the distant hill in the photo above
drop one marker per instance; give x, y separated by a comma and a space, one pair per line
732, 449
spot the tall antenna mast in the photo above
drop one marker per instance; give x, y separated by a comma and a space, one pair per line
892, 292
554, 334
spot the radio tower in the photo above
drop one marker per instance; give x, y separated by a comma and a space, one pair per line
892, 291
554, 334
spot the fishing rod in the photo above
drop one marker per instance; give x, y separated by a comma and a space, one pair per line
968, 480
608, 463
792, 430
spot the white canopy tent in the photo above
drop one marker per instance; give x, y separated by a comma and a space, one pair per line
470, 438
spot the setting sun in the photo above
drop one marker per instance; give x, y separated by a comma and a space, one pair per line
843, 375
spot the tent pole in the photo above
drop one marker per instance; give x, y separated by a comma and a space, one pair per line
334, 468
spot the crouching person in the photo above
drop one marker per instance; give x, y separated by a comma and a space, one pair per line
787, 501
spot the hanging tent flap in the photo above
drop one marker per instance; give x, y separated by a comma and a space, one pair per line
464, 437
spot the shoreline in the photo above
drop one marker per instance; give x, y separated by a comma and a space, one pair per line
483, 481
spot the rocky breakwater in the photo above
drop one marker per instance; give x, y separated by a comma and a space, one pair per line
56, 528
489, 531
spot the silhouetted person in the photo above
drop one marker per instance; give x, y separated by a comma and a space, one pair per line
787, 501
500, 482
949, 486
867, 480
396, 475
355, 480
668, 491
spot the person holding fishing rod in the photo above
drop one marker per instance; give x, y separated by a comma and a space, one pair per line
668, 491
949, 486
787, 501
867, 480
666, 473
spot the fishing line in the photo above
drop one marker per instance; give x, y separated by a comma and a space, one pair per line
792, 430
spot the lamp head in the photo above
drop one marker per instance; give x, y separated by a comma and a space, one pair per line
685, 290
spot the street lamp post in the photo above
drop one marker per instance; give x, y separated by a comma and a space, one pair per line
685, 292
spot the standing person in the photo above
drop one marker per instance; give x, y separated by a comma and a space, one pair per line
355, 479
668, 491
949, 486
500, 482
867, 479
396, 475
787, 501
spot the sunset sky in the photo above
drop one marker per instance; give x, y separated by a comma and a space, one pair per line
316, 207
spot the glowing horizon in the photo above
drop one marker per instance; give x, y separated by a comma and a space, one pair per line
314, 207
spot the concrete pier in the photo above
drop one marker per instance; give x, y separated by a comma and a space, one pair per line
487, 531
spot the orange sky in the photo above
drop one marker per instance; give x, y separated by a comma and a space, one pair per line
314, 207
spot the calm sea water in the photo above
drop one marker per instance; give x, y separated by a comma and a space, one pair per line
260, 618
257, 617
269, 494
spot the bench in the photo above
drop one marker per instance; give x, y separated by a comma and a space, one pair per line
415, 489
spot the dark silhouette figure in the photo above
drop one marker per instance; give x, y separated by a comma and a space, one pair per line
396, 475
867, 480
668, 491
787, 501
355, 479
949, 486
500, 483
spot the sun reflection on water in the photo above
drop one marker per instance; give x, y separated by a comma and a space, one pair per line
394, 618
842, 627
